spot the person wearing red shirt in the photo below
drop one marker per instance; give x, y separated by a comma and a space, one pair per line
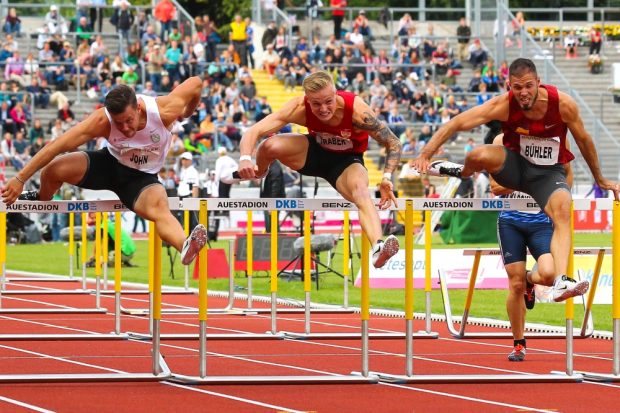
339, 124
535, 119
338, 16
165, 12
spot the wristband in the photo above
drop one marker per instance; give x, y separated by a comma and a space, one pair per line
245, 158
388, 176
17, 177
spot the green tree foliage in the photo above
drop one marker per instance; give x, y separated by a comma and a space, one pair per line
221, 11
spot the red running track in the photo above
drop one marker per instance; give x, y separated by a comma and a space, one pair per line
275, 357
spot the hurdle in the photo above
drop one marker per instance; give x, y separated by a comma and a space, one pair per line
587, 326
410, 378
614, 376
160, 370
32, 206
586, 329
202, 378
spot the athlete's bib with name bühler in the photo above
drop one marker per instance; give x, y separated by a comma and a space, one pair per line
333, 142
540, 151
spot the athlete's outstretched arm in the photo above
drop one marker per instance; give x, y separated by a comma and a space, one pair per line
570, 114
292, 111
181, 102
494, 109
94, 126
364, 119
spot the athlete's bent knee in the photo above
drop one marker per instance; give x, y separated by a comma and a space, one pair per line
517, 286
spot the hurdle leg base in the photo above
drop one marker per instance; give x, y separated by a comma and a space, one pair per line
270, 380
478, 378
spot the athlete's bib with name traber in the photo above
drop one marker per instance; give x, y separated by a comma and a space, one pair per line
340, 138
541, 142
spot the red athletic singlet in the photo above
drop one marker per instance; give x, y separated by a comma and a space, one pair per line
341, 138
541, 142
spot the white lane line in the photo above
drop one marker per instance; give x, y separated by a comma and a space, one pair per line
94, 366
26, 405
470, 399
240, 399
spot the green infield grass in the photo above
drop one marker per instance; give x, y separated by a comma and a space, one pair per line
53, 258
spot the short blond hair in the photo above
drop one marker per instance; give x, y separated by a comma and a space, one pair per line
317, 81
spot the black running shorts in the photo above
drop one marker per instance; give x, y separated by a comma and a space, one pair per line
105, 172
535, 180
325, 164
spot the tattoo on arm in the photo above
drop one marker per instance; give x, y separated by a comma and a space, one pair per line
382, 134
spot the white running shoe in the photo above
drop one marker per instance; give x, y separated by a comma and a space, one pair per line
445, 168
384, 250
193, 244
565, 287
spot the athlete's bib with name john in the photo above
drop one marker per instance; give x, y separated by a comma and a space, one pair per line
540, 151
334, 143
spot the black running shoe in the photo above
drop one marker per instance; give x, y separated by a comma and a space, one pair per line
530, 294
29, 196
445, 168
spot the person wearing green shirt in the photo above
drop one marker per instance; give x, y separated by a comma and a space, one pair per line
128, 246
130, 77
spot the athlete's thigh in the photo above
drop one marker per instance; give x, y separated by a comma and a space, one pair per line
152, 202
512, 241
291, 149
70, 167
353, 178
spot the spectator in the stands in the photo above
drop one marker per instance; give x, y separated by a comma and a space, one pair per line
405, 24
383, 67
35, 131
463, 33
65, 113
41, 96
239, 37
270, 60
165, 13
483, 95
477, 54
263, 109
425, 134
14, 69
338, 15
361, 22
570, 45
596, 39
98, 50
84, 31
270, 34
130, 77
490, 76
518, 26
148, 35
118, 68
19, 118
12, 23
57, 130
55, 23
418, 105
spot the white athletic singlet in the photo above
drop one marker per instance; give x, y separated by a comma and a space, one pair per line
146, 150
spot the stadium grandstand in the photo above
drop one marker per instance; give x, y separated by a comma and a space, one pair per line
416, 67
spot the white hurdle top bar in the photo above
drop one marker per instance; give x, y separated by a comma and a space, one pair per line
495, 251
300, 204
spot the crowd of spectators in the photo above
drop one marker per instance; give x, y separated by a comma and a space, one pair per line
415, 84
